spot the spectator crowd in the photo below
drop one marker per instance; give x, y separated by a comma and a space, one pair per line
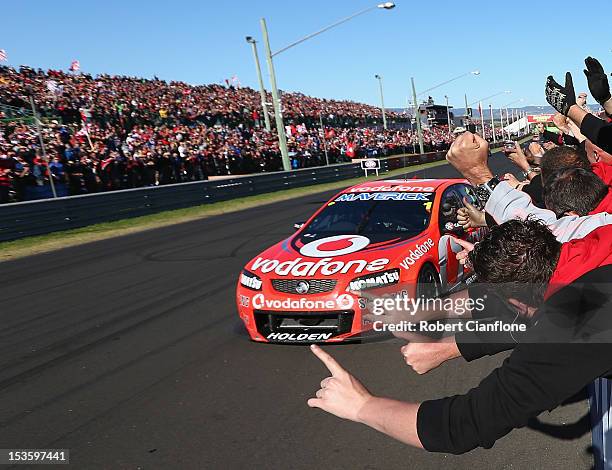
543, 260
111, 132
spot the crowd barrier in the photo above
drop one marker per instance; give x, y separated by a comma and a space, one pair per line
29, 218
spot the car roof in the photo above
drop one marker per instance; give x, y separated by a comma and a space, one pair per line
408, 185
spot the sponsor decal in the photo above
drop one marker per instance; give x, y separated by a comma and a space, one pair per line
337, 245
251, 282
299, 336
244, 300
325, 266
260, 302
395, 187
375, 280
348, 197
418, 251
344, 301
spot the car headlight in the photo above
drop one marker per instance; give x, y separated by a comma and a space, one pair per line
250, 280
373, 281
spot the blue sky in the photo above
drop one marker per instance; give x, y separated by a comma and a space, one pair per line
514, 44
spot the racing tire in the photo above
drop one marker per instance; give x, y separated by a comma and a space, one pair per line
428, 283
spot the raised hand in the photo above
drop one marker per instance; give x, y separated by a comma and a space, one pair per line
597, 80
560, 120
562, 98
463, 255
341, 394
470, 216
518, 157
469, 154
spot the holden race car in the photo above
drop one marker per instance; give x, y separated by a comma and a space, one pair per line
374, 239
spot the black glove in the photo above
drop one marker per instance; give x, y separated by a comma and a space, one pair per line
562, 98
598, 81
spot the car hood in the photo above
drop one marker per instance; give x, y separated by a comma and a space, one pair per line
338, 255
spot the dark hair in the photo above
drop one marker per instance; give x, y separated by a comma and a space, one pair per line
563, 157
573, 190
520, 256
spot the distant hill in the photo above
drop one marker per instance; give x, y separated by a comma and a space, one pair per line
496, 112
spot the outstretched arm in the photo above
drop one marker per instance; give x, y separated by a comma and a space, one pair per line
344, 396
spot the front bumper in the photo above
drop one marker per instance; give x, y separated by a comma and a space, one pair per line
300, 325
304, 327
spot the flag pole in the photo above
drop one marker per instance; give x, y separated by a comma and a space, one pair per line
492, 123
42, 145
481, 119
86, 129
323, 137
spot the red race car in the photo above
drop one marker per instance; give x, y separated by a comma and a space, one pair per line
373, 239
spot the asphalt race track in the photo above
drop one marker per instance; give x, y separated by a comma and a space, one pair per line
129, 353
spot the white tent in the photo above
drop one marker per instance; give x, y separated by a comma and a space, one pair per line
516, 126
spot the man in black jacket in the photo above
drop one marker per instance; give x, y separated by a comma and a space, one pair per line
570, 346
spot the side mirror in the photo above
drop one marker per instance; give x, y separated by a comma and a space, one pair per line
298, 225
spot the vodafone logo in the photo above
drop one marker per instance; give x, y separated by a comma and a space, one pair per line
335, 246
343, 302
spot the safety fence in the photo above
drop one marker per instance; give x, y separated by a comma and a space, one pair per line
29, 218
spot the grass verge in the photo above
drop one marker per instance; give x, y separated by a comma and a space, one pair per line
54, 241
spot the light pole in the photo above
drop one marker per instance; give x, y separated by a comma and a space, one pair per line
262, 90
280, 126
382, 100
323, 138
42, 144
492, 123
417, 117
448, 113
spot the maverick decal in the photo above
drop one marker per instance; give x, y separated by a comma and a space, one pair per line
366, 189
347, 197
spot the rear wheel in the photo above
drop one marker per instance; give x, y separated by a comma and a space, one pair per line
428, 283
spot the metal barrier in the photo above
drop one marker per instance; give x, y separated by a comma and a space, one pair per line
29, 218
600, 405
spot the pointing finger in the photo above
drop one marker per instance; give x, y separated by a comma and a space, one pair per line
464, 243
330, 362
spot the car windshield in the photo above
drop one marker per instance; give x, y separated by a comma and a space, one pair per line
380, 216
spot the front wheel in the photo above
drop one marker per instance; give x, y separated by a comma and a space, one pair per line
428, 283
